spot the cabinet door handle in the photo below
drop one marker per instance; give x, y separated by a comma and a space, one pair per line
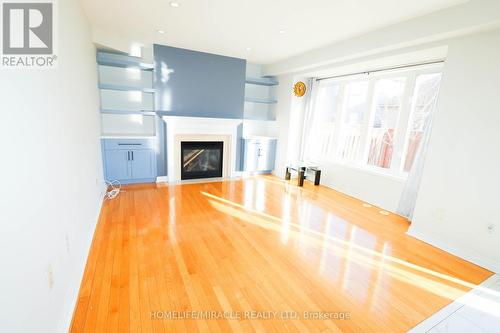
128, 156
132, 155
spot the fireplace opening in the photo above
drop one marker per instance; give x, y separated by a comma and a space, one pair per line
201, 159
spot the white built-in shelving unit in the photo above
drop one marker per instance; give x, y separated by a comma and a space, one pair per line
260, 95
126, 95
260, 103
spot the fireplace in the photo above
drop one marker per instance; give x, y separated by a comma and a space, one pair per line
196, 129
201, 159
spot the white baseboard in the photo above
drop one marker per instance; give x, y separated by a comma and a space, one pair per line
465, 254
162, 179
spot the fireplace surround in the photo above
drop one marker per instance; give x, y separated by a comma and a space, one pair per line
181, 129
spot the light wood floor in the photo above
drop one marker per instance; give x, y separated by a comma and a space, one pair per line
259, 244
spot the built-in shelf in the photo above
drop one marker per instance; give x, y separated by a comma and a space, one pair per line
262, 81
116, 60
125, 88
142, 112
260, 100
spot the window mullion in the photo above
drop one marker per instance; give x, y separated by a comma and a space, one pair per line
367, 121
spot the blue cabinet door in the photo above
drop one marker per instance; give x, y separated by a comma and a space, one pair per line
117, 165
266, 156
251, 156
259, 155
143, 164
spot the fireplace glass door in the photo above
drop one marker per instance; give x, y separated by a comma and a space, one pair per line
201, 159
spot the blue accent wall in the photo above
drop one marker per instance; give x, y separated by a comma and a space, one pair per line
198, 84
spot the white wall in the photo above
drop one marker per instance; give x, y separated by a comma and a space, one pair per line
460, 189
378, 189
283, 116
51, 180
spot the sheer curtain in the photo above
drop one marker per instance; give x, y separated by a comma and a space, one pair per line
425, 104
311, 97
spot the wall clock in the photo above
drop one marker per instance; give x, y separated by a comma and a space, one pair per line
299, 89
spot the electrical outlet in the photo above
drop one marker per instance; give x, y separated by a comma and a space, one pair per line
50, 276
67, 243
491, 228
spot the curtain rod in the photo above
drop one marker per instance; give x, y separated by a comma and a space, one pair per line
381, 70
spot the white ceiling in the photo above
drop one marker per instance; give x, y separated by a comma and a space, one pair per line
229, 27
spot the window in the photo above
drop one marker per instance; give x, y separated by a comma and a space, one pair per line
375, 122
387, 103
355, 110
424, 101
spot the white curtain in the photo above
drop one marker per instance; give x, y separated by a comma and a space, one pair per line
313, 85
408, 198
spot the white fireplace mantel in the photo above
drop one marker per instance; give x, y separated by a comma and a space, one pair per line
201, 129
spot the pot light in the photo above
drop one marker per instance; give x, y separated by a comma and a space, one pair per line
248, 48
160, 31
282, 32
174, 4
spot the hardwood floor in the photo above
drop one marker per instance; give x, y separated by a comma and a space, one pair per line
259, 244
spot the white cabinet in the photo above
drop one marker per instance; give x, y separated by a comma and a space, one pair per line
258, 154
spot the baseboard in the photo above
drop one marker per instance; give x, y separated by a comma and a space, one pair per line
162, 179
468, 255
255, 173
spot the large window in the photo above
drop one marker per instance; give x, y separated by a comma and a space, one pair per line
374, 121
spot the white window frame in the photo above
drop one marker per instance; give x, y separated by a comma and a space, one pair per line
401, 131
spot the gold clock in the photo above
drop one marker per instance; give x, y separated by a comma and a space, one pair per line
299, 89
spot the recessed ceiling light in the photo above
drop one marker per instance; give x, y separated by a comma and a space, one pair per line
174, 4
160, 31
282, 32
248, 48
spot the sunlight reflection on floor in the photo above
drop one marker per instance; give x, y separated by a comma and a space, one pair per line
379, 260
